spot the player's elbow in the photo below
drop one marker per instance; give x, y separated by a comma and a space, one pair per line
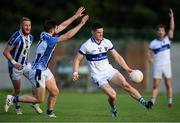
5, 53
65, 37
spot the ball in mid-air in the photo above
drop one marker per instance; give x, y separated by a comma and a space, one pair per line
136, 76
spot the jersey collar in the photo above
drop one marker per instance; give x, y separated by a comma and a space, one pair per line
21, 33
94, 40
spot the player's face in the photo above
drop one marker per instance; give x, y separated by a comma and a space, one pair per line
55, 30
26, 27
98, 34
161, 33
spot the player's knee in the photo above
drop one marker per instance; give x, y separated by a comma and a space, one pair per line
126, 86
168, 86
113, 96
55, 92
155, 87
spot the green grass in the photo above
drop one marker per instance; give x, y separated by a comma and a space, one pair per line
91, 107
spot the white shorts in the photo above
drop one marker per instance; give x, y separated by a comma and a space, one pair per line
162, 70
16, 74
103, 77
39, 77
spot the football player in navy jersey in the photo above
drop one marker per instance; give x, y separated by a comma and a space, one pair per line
16, 52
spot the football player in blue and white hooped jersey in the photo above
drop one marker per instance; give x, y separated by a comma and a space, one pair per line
95, 49
159, 54
16, 52
40, 74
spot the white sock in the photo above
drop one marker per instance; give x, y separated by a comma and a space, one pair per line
153, 100
170, 100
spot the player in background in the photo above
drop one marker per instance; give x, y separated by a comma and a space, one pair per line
95, 49
16, 52
159, 55
40, 74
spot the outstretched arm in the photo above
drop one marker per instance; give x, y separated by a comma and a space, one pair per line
77, 61
73, 31
119, 59
67, 22
172, 24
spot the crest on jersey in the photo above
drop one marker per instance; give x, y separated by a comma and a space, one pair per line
106, 48
100, 48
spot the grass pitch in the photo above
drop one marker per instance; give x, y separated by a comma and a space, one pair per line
93, 107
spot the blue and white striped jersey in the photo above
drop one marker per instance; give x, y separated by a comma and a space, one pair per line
161, 51
21, 45
44, 51
96, 54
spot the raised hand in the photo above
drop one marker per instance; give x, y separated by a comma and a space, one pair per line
79, 12
84, 19
171, 14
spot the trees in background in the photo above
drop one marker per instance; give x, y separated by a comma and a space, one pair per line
136, 14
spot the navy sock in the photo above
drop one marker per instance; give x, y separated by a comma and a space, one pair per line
17, 106
113, 108
49, 111
16, 99
142, 101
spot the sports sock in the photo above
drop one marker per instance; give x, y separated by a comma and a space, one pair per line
153, 100
17, 106
49, 111
169, 100
113, 109
16, 99
142, 101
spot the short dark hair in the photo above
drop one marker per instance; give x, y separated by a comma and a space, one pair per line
96, 26
160, 26
49, 24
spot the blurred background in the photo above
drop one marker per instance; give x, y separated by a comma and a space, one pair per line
129, 24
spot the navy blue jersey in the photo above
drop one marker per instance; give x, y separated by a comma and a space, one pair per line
21, 45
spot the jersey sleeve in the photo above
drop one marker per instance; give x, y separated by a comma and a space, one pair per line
168, 39
82, 50
150, 45
55, 39
13, 41
51, 40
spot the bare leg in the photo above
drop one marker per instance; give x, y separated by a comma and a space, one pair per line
156, 83
53, 92
119, 80
17, 88
32, 99
111, 94
112, 97
168, 84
